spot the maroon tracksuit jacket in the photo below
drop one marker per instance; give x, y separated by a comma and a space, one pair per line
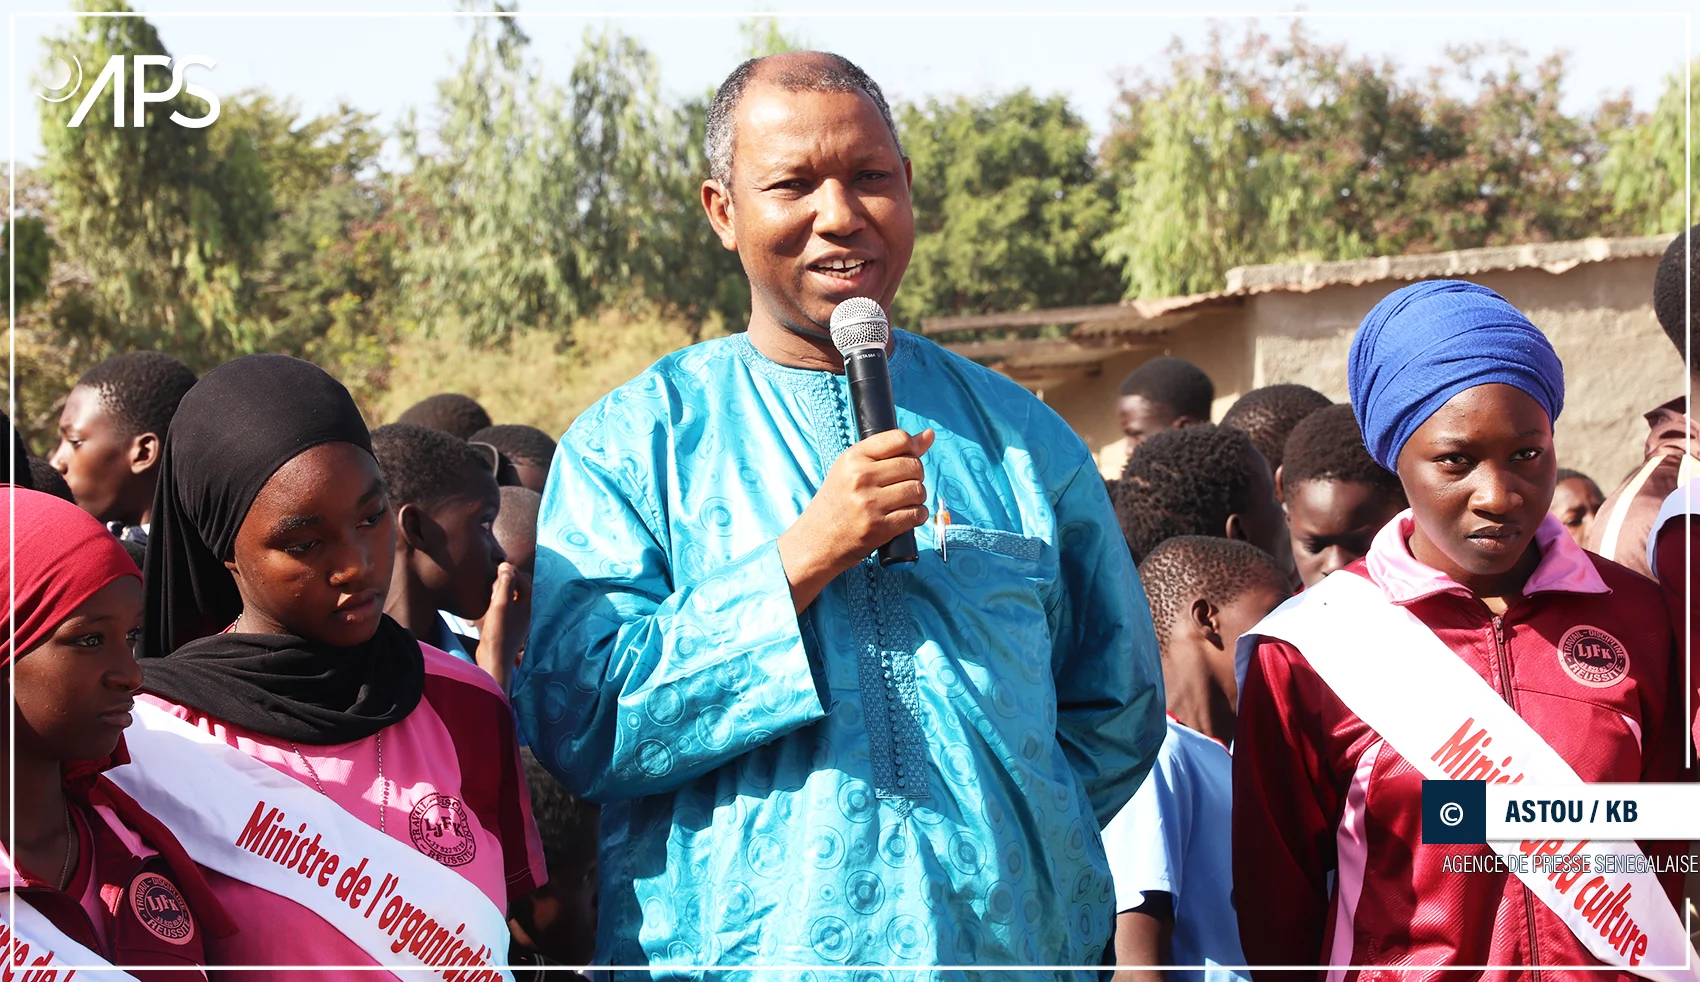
1329, 867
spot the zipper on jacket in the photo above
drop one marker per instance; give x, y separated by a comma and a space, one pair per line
1504, 660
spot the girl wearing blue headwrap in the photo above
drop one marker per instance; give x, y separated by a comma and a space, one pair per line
1339, 719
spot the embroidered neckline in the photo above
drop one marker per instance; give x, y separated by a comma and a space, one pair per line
902, 354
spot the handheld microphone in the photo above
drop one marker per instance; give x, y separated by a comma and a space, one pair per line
860, 332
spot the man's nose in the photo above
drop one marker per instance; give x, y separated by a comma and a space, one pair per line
61, 458
837, 212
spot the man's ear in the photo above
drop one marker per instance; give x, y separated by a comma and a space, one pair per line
717, 201
1183, 421
410, 522
908, 173
1234, 528
1280, 491
145, 449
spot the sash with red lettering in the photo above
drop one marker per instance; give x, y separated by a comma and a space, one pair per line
253, 823
32, 948
1450, 725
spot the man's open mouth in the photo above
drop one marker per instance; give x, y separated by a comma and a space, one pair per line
843, 269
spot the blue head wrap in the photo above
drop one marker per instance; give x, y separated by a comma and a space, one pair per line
1427, 342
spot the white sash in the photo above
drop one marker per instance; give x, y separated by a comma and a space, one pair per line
34, 946
1682, 501
253, 823
1391, 670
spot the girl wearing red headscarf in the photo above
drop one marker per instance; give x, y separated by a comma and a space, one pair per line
90, 876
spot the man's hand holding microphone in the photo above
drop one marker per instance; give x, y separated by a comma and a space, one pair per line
875, 495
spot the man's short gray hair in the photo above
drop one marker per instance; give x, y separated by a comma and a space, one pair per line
826, 72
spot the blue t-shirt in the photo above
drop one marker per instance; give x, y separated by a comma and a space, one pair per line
1174, 837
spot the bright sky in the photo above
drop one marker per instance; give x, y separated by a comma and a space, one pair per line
385, 60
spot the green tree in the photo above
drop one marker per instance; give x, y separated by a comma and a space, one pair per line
327, 284
1644, 172
1276, 151
538, 204
488, 232
1008, 207
32, 260
166, 220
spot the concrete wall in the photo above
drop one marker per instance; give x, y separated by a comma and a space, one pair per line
1216, 342
1618, 363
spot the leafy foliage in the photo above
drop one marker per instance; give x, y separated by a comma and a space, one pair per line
1008, 207
1644, 169
32, 259
1274, 151
167, 223
540, 204
545, 231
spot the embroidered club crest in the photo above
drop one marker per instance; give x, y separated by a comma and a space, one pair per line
161, 909
1593, 657
442, 831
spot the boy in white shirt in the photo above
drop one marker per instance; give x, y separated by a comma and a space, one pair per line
1169, 847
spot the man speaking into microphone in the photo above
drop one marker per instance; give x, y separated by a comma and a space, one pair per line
808, 757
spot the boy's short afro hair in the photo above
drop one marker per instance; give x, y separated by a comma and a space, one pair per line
1219, 570
518, 515
423, 466
1268, 415
47, 480
450, 412
1566, 474
137, 552
1173, 382
1184, 482
17, 468
140, 390
566, 823
1677, 276
519, 443
1328, 446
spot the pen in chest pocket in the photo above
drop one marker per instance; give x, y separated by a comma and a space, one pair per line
941, 521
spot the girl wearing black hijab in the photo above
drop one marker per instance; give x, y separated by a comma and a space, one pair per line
268, 564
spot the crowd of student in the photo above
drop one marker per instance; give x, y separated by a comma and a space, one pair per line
1318, 810
262, 662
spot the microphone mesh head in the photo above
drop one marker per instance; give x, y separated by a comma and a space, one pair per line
859, 323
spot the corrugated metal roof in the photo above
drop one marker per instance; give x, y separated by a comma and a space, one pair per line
1157, 314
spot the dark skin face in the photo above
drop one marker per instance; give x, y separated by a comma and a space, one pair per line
1262, 523
1140, 418
314, 554
1198, 679
1332, 523
817, 209
73, 692
450, 548
1480, 474
71, 699
111, 473
1198, 663
1576, 501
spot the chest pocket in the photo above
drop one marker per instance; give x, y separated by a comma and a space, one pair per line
996, 581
